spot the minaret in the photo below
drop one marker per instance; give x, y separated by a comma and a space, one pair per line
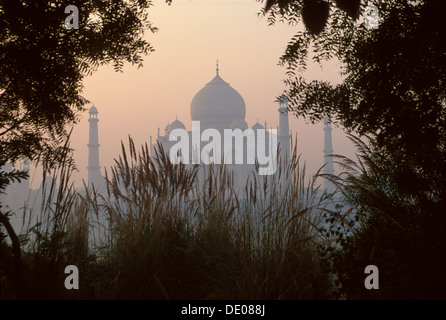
328, 151
284, 130
94, 170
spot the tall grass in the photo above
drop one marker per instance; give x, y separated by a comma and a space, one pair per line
164, 231
179, 234
54, 232
398, 225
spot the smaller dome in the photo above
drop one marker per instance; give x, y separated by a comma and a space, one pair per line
174, 125
257, 126
177, 124
238, 123
93, 110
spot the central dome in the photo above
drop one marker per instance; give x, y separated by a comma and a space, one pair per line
217, 105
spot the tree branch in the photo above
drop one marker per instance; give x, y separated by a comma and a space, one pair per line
17, 256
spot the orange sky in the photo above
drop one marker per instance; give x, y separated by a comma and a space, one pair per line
192, 36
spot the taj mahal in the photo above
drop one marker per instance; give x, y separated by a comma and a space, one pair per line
220, 133
215, 110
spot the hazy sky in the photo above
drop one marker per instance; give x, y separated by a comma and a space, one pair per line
192, 35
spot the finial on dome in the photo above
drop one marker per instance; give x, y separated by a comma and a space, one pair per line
217, 68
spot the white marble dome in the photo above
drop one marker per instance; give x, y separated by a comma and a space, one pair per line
217, 105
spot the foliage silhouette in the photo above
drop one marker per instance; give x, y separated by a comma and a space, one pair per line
42, 65
401, 233
314, 12
393, 91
